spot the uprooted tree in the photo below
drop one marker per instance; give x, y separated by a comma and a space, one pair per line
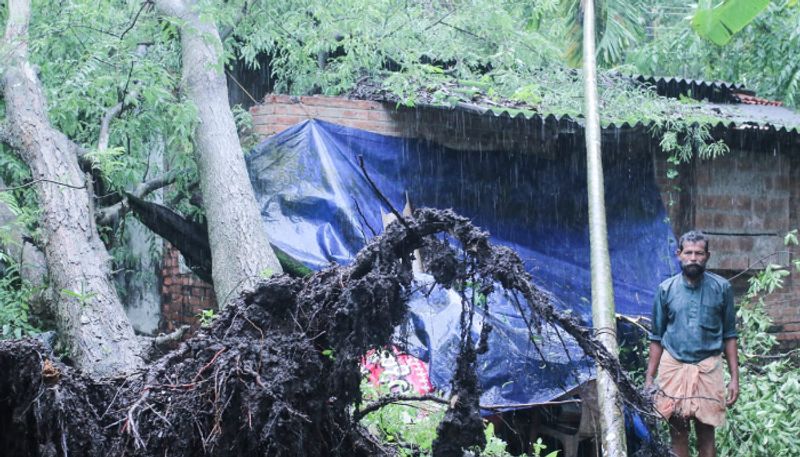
88, 311
278, 372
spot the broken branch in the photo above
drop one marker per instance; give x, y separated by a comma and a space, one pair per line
109, 214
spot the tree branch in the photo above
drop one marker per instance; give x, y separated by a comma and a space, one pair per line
383, 401
109, 214
8, 189
135, 18
105, 123
225, 32
114, 111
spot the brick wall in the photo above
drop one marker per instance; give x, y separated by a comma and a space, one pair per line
183, 295
747, 199
280, 112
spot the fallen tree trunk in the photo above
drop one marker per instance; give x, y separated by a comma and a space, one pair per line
239, 243
278, 372
191, 238
90, 316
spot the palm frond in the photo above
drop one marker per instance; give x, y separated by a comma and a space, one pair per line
619, 25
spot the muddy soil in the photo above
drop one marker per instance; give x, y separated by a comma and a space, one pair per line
278, 372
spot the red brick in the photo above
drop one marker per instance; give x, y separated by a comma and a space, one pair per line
291, 109
279, 99
760, 205
368, 125
740, 202
703, 219
286, 119
267, 130
339, 102
788, 336
356, 114
730, 262
260, 110
777, 204
791, 327
728, 221
781, 182
379, 115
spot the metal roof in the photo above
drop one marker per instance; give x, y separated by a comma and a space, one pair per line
730, 112
732, 116
712, 91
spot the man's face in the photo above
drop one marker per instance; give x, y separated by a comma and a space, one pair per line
693, 258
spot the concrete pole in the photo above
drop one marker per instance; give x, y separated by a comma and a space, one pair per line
612, 421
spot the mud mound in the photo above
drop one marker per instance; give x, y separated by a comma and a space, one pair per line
278, 372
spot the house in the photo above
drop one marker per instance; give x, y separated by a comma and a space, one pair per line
746, 200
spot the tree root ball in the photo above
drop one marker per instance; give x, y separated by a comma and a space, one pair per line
277, 373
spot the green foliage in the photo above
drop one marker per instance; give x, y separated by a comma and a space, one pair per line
91, 57
619, 26
206, 317
15, 296
682, 141
327, 46
763, 422
84, 297
410, 427
762, 58
718, 23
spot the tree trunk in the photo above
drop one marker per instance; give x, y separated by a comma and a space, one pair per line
89, 314
612, 422
240, 249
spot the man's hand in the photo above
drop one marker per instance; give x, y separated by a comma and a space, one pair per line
732, 356
653, 359
733, 392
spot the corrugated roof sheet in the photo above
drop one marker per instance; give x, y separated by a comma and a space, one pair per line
728, 110
739, 116
712, 91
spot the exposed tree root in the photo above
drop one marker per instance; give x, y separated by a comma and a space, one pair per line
278, 372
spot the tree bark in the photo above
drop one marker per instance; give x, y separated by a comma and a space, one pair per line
612, 422
240, 249
88, 313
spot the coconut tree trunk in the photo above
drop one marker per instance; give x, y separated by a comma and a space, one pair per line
603, 315
240, 249
89, 315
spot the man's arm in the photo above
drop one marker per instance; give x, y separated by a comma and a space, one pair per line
732, 356
657, 330
652, 362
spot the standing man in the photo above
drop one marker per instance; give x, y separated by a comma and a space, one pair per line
694, 320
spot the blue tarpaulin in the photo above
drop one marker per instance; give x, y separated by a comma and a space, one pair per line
318, 207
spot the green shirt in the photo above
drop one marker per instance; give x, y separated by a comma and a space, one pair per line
692, 322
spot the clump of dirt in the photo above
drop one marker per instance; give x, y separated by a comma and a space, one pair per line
278, 372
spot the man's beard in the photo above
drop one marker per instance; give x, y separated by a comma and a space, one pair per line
693, 270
